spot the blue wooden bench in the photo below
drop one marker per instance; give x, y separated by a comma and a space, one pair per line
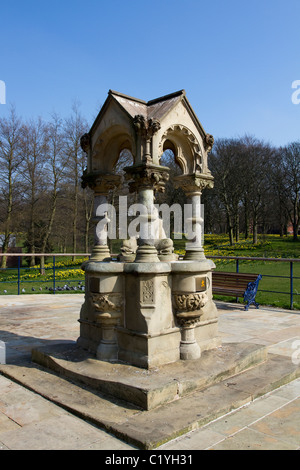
236, 285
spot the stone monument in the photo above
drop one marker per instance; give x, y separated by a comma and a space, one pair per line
147, 308
148, 325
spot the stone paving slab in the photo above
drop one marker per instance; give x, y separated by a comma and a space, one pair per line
229, 431
34, 320
150, 429
28, 421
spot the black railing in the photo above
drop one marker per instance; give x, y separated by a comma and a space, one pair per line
51, 269
54, 281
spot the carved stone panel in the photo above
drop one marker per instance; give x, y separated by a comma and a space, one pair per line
107, 302
147, 292
188, 307
190, 302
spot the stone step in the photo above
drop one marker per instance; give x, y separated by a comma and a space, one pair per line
152, 387
150, 429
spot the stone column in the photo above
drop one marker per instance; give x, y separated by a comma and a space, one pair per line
108, 308
194, 249
193, 186
146, 251
145, 179
100, 250
189, 348
188, 310
101, 184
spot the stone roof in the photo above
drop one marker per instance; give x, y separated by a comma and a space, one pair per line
154, 109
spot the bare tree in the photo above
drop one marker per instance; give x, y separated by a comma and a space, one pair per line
34, 149
10, 161
291, 165
226, 169
54, 169
256, 157
281, 200
75, 126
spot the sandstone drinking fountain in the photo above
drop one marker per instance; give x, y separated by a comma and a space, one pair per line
148, 326
147, 308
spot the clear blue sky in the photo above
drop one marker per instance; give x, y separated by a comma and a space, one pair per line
236, 59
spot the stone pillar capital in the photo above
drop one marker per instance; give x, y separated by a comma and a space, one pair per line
100, 183
147, 176
194, 184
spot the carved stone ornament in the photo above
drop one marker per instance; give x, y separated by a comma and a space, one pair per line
208, 142
146, 127
85, 142
188, 136
188, 307
146, 176
147, 291
194, 182
106, 303
100, 182
190, 302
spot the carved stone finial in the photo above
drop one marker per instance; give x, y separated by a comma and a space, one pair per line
146, 127
85, 142
153, 126
208, 142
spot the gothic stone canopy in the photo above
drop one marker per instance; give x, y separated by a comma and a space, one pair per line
147, 129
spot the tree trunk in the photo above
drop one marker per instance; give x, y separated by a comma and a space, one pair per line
49, 228
255, 229
295, 231
75, 214
8, 218
237, 228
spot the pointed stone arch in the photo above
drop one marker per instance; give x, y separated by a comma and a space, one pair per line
185, 146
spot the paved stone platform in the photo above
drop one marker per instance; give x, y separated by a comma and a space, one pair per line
29, 420
149, 389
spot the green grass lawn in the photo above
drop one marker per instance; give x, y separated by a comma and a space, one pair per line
67, 273
271, 246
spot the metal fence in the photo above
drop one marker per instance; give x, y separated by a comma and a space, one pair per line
54, 284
